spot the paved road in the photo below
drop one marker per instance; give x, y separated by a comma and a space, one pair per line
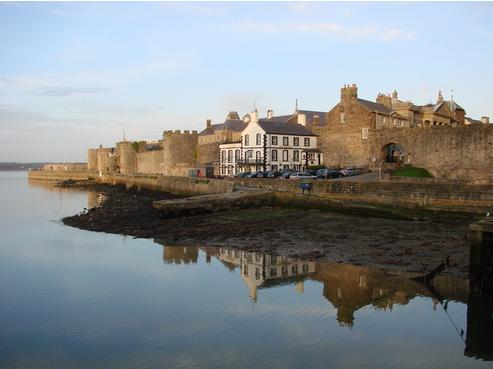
367, 177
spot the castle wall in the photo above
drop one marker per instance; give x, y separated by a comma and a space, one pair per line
179, 151
92, 160
71, 167
127, 157
463, 152
151, 162
208, 154
106, 160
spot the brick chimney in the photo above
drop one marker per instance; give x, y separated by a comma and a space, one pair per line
349, 93
384, 100
485, 120
209, 123
270, 114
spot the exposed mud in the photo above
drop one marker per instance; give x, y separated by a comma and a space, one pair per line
415, 246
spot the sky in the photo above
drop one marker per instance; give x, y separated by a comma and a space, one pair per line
77, 75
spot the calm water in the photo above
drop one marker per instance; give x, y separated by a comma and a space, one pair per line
78, 299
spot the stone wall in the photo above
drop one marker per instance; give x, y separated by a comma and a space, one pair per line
150, 162
431, 196
208, 154
463, 152
92, 160
179, 150
106, 160
450, 152
185, 186
127, 157
48, 175
76, 167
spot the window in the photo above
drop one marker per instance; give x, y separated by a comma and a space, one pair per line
259, 139
274, 140
249, 154
285, 141
284, 271
294, 269
307, 141
237, 155
343, 118
245, 269
230, 169
395, 122
273, 167
284, 155
273, 272
364, 133
247, 140
274, 155
223, 156
305, 268
296, 155
296, 141
230, 156
257, 155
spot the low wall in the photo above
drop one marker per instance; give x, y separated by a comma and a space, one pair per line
174, 185
53, 175
431, 196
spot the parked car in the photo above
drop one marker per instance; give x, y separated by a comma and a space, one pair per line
328, 173
243, 174
286, 174
261, 174
302, 175
271, 174
347, 172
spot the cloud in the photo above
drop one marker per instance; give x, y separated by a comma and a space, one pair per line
7, 80
63, 91
327, 29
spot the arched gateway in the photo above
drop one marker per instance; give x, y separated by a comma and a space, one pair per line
393, 153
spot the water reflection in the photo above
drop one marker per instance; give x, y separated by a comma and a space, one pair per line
349, 288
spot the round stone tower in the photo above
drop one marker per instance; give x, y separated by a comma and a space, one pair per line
128, 157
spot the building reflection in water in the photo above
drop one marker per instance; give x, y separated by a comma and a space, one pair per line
260, 270
350, 288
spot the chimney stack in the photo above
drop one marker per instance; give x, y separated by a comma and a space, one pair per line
302, 119
270, 114
254, 116
485, 120
316, 120
209, 123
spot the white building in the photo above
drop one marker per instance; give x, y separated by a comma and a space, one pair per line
270, 144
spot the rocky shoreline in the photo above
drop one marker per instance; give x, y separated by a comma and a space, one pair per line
411, 246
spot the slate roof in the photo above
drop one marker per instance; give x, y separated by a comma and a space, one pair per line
235, 125
271, 126
373, 106
474, 121
310, 114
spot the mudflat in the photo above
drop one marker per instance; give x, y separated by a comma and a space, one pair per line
404, 245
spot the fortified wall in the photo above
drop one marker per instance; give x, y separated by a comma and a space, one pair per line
361, 133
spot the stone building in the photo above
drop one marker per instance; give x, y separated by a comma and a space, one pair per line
215, 134
390, 132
